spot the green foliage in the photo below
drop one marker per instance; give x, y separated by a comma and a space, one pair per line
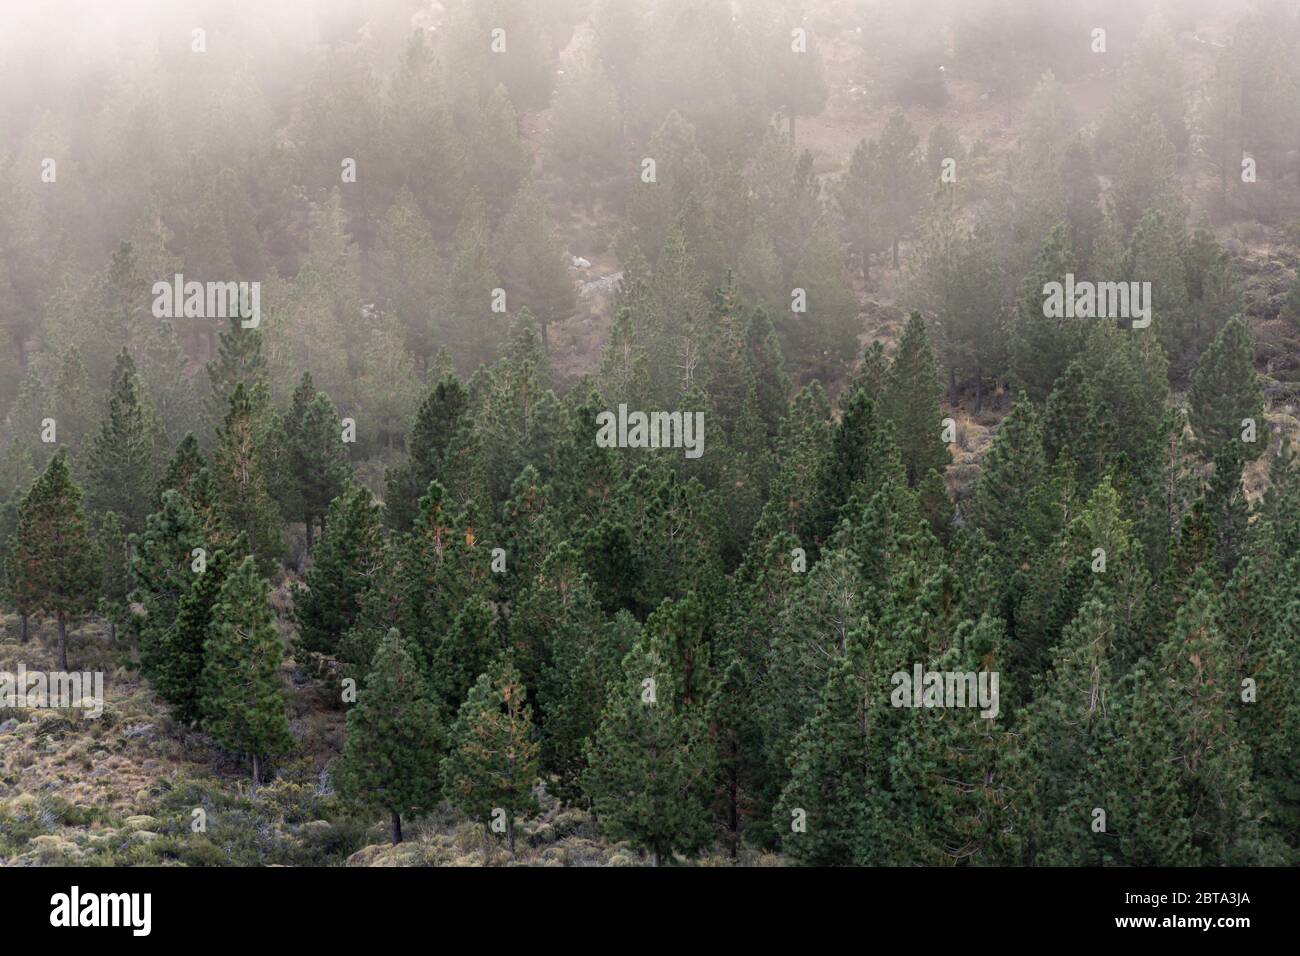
650, 763
395, 739
243, 702
492, 763
1225, 393
52, 563
345, 565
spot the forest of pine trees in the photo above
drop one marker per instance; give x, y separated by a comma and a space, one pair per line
383, 510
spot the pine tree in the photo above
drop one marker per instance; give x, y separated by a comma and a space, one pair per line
465, 651
316, 457
238, 361
347, 562
395, 739
176, 669
1012, 467
492, 766
826, 813
1068, 729
181, 471
899, 181
242, 485
1042, 345
650, 763
53, 566
531, 263
124, 459
441, 414
911, 402
115, 580
1225, 392
243, 701
162, 573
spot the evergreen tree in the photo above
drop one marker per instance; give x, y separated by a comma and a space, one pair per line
317, 460
441, 414
531, 263
176, 666
1225, 393
243, 701
114, 580
395, 739
239, 360
347, 561
1013, 466
52, 564
123, 463
241, 484
163, 558
650, 764
911, 402
491, 768
181, 471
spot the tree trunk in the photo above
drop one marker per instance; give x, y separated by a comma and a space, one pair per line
256, 774
952, 387
396, 827
510, 834
979, 390
63, 642
654, 858
112, 632
22, 629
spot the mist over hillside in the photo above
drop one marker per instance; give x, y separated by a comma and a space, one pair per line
649, 432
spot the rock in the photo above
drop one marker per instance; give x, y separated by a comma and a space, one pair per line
136, 731
9, 726
602, 286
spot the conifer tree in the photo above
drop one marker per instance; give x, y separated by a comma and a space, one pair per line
114, 580
181, 471
239, 361
347, 562
1042, 345
316, 458
395, 739
162, 573
1012, 467
1291, 306
52, 564
1069, 727
243, 701
492, 765
124, 458
650, 763
464, 652
241, 483
176, 669
1225, 393
911, 402
534, 269
899, 181
441, 414
827, 813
